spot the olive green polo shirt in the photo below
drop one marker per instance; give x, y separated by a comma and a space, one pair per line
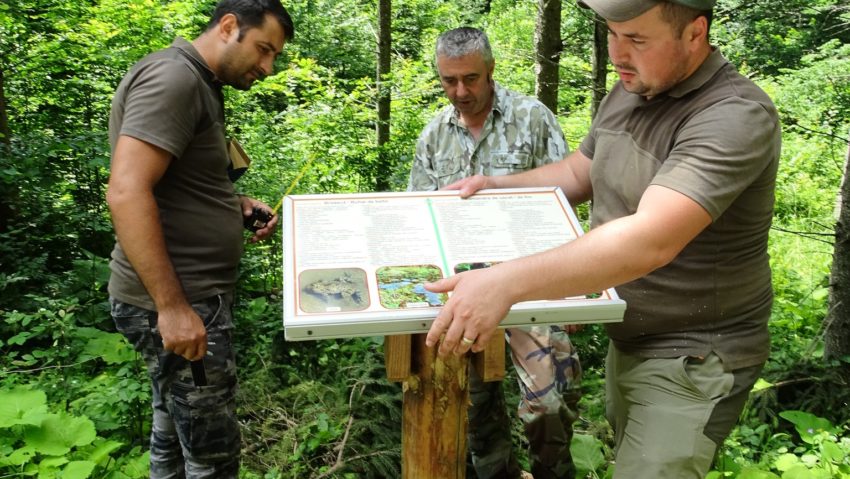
171, 99
715, 138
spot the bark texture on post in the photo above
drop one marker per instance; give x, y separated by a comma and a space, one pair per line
548, 46
837, 336
433, 443
397, 358
382, 182
599, 63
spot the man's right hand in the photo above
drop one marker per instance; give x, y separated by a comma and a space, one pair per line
183, 333
469, 185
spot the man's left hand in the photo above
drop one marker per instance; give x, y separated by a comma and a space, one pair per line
469, 318
266, 231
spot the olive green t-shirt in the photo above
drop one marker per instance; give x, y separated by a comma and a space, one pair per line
171, 99
715, 138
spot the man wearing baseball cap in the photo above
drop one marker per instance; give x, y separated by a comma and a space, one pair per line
680, 163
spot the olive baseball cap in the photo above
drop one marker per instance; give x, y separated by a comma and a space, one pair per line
624, 10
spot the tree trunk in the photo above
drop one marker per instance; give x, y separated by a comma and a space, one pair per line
837, 335
6, 193
547, 39
383, 172
600, 63
5, 133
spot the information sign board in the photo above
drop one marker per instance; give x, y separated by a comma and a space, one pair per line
355, 264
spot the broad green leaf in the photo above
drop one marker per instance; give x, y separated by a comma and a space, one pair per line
832, 452
820, 294
52, 463
111, 347
786, 461
761, 385
19, 339
753, 473
802, 472
798, 472
807, 425
587, 454
19, 457
138, 467
59, 433
22, 406
78, 470
102, 451
821, 473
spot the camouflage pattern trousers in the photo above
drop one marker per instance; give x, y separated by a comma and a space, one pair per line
195, 434
549, 376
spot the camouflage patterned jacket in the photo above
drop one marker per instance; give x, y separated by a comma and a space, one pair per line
519, 134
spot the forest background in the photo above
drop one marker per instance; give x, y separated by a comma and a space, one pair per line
74, 398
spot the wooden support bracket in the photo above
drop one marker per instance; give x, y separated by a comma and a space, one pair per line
490, 363
397, 357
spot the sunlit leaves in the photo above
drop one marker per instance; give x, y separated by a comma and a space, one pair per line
22, 407
58, 433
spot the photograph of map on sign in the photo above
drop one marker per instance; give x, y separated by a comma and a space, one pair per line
402, 287
333, 290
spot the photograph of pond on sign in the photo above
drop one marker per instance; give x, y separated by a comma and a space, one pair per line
333, 290
401, 287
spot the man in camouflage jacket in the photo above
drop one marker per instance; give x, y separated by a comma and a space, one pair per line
493, 131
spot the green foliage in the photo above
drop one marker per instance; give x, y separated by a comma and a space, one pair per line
815, 98
770, 36
304, 427
587, 455
55, 342
820, 452
34, 441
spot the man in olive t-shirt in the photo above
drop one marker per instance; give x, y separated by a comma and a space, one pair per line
179, 233
681, 166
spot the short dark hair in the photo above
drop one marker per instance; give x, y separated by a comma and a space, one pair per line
252, 14
679, 16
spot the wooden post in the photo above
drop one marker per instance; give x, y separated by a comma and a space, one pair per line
434, 422
436, 396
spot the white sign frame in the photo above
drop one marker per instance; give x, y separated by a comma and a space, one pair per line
339, 248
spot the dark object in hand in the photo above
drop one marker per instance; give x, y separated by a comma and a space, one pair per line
259, 219
199, 372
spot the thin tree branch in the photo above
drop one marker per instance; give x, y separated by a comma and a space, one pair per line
340, 460
807, 234
818, 132
44, 368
